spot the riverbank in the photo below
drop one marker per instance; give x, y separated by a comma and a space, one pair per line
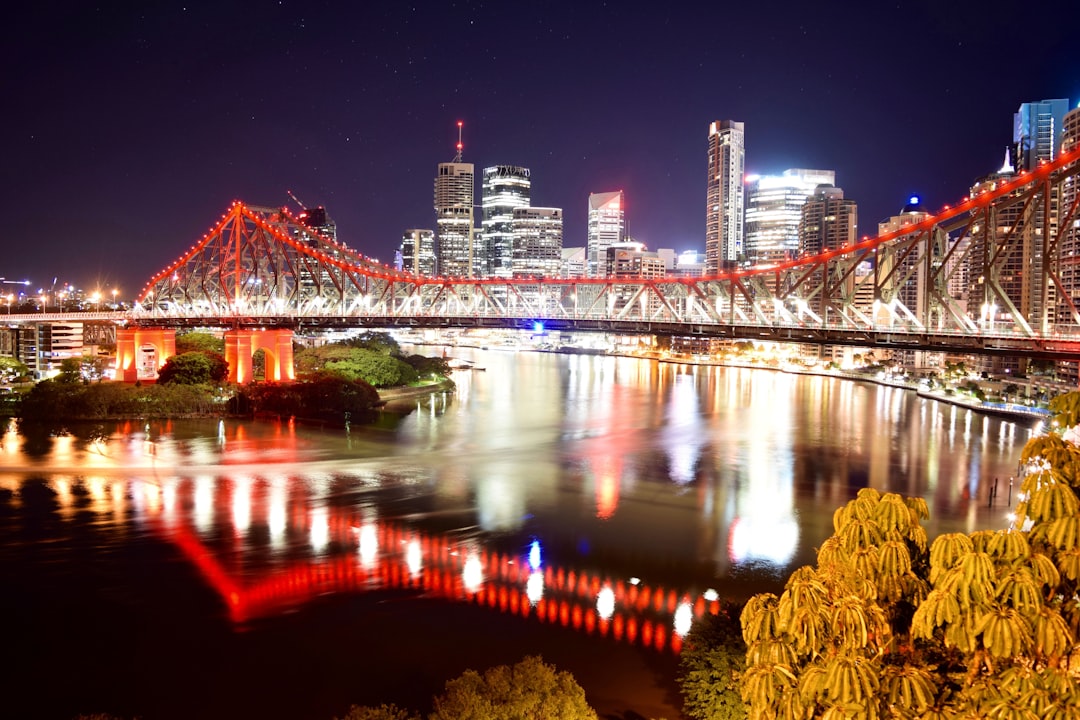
1012, 411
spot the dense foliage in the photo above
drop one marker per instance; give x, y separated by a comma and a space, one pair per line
382, 712
712, 659
319, 395
199, 341
529, 689
979, 625
372, 357
200, 367
52, 401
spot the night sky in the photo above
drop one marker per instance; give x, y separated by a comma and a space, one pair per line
130, 127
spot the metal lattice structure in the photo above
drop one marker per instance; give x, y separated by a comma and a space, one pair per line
996, 274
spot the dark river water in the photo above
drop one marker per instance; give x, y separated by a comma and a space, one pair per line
586, 509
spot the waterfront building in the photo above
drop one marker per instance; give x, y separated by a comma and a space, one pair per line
454, 202
724, 195
1068, 308
1037, 132
774, 206
574, 262
827, 221
690, 263
537, 241
504, 188
418, 252
906, 285
632, 259
606, 227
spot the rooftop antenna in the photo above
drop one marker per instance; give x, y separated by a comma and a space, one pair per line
460, 145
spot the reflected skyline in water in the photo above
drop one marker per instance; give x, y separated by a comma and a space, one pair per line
647, 479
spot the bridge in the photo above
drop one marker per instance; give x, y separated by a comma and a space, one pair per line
995, 274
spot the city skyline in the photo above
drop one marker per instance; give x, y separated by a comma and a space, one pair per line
135, 128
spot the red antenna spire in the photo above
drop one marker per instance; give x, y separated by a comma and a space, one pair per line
460, 145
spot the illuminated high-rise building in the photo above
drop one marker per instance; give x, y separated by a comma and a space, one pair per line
454, 200
1037, 128
774, 206
538, 238
607, 226
828, 221
418, 252
504, 188
724, 195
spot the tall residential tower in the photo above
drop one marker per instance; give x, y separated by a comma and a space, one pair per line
504, 188
454, 199
724, 196
607, 227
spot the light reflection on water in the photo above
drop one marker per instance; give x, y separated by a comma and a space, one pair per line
693, 479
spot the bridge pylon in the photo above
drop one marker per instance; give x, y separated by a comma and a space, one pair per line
242, 343
141, 352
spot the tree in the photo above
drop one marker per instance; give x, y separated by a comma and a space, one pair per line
194, 368
529, 690
70, 371
977, 625
713, 656
382, 712
12, 369
199, 341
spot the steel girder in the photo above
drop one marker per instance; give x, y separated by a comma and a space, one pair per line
938, 277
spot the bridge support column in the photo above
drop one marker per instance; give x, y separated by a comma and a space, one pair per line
242, 343
141, 352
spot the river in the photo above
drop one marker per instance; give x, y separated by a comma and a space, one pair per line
583, 508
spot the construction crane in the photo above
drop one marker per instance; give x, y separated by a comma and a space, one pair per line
296, 200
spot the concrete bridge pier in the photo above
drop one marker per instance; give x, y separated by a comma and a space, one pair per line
242, 343
141, 352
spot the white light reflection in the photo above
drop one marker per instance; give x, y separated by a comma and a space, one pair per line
605, 603
534, 555
241, 504
369, 546
277, 515
534, 587
320, 530
204, 503
472, 574
683, 434
413, 557
684, 618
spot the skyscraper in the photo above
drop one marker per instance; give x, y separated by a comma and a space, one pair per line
504, 188
607, 226
418, 252
1037, 132
828, 221
773, 209
454, 199
538, 238
724, 196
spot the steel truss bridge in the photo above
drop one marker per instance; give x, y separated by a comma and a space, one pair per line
998, 274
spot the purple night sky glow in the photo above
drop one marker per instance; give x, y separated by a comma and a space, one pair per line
130, 127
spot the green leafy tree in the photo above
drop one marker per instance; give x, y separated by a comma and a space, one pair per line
382, 712
70, 371
379, 342
529, 690
199, 341
194, 368
374, 368
12, 369
713, 656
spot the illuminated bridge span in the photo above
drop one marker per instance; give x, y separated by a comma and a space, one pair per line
1010, 251
998, 273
